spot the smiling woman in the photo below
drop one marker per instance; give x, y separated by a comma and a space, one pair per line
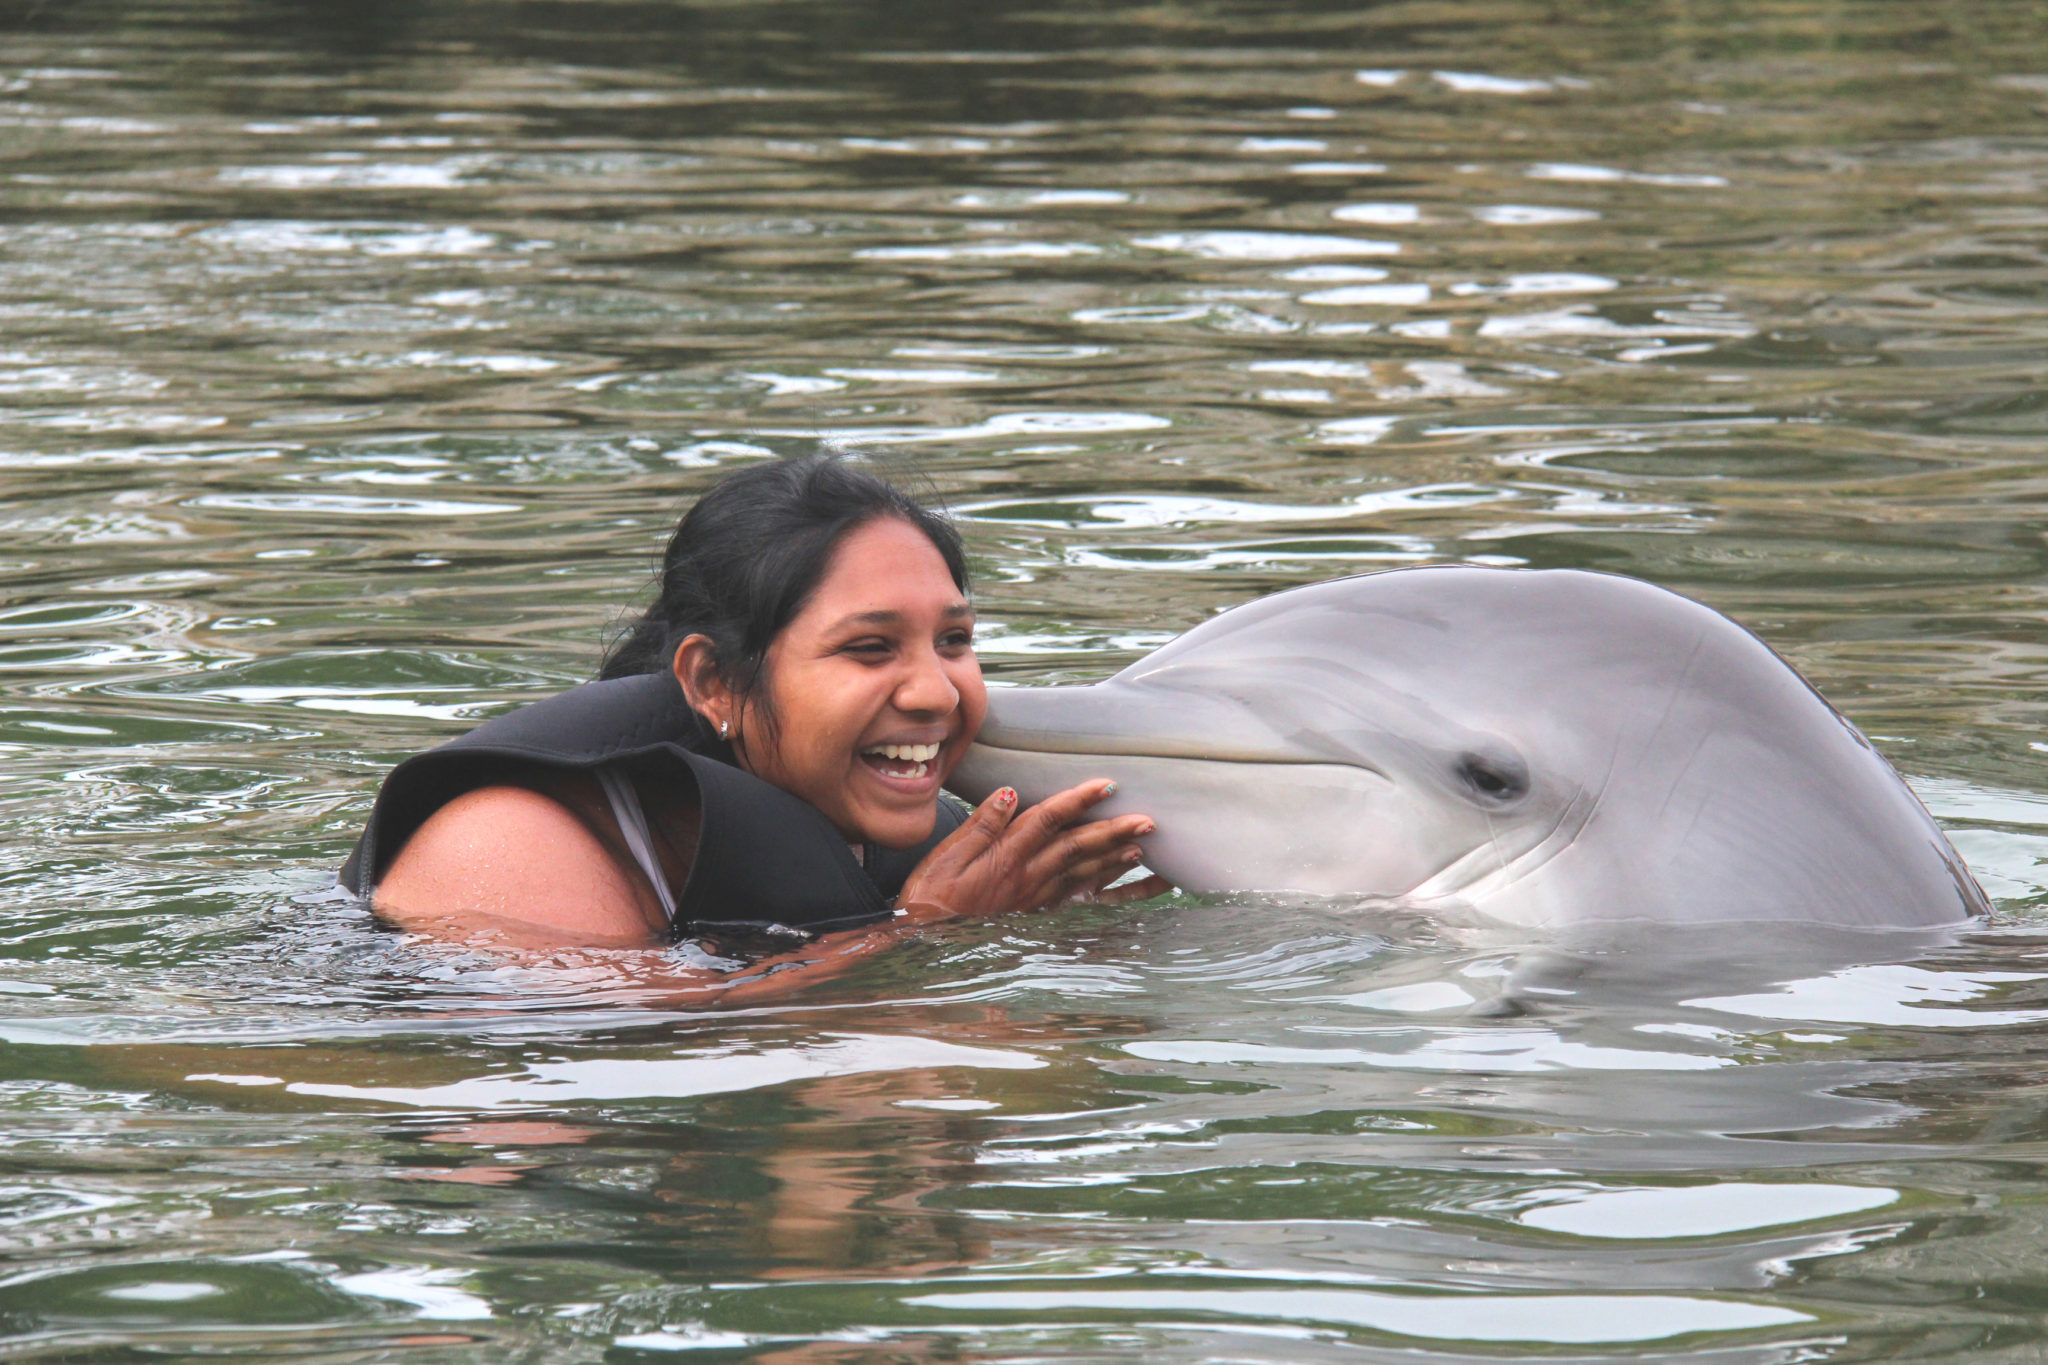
767, 745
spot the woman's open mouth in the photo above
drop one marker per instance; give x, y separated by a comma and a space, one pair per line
903, 762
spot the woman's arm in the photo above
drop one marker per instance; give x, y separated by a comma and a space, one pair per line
510, 863
520, 870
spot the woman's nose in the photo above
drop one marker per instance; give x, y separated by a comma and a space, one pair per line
926, 688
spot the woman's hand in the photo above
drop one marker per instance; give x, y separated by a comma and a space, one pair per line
1002, 860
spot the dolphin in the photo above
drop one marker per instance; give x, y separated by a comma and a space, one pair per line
1546, 747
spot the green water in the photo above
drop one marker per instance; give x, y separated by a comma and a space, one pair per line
355, 358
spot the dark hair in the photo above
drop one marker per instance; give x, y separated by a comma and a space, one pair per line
746, 558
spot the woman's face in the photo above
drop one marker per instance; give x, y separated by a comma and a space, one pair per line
875, 687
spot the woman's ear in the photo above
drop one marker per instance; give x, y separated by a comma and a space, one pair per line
697, 670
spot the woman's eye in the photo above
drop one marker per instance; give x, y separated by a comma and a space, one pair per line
959, 639
868, 648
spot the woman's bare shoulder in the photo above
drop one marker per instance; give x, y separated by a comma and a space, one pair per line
510, 858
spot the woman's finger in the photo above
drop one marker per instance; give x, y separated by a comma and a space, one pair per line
1120, 864
1086, 843
990, 818
1142, 890
943, 882
1088, 874
983, 826
1046, 819
1051, 880
1094, 888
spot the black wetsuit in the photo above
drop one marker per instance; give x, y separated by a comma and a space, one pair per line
763, 857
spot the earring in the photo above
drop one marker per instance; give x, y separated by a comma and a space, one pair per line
723, 726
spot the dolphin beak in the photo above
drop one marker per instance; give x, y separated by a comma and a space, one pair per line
1212, 768
1113, 719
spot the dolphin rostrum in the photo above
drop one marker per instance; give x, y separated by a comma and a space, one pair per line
1547, 747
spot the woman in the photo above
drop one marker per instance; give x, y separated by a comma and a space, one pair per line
766, 746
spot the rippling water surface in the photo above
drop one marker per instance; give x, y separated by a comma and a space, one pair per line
355, 358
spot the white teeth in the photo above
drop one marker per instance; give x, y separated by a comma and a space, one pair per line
920, 771
919, 753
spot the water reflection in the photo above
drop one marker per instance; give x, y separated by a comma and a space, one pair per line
358, 359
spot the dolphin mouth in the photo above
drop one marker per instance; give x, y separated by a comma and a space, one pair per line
1110, 721
1149, 746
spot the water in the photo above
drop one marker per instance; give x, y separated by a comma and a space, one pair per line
354, 360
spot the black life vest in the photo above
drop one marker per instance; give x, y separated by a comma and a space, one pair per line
764, 857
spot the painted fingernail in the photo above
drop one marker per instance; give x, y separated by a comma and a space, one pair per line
1133, 855
1146, 828
1006, 798
1109, 789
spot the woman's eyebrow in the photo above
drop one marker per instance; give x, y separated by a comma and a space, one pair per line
956, 612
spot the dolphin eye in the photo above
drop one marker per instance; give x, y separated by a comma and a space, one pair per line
1493, 778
